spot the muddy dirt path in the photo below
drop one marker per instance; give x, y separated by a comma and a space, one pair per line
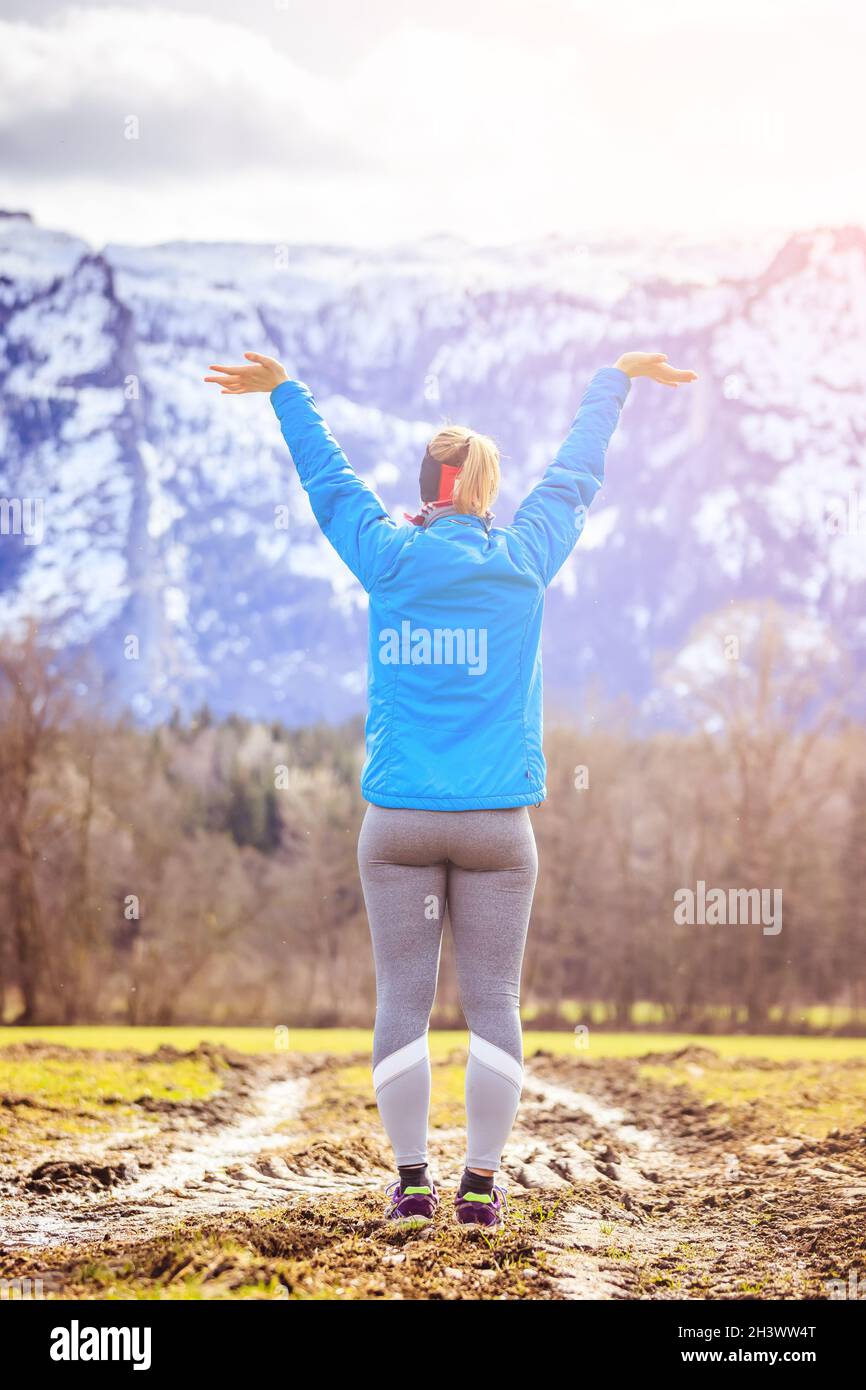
619, 1189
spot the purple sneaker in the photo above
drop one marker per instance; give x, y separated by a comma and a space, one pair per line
481, 1208
412, 1208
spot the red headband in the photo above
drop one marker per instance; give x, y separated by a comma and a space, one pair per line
437, 479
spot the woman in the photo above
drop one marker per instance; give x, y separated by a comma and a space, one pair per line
454, 753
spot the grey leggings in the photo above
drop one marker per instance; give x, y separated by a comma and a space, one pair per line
483, 865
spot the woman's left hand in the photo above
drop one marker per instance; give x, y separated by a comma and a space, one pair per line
261, 374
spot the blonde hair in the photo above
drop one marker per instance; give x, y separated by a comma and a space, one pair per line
477, 484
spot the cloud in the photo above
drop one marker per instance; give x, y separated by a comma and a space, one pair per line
496, 121
128, 93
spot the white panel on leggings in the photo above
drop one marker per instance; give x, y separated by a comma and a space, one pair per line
400, 1061
496, 1059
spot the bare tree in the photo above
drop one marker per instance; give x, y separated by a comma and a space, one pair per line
34, 704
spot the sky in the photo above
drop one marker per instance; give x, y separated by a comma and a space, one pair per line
372, 123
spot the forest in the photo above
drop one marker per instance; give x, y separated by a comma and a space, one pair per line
203, 871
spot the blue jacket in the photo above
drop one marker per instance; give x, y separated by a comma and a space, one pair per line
454, 659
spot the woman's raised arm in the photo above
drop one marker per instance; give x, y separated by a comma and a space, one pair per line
550, 520
349, 513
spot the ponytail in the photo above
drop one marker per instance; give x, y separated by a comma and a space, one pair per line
477, 484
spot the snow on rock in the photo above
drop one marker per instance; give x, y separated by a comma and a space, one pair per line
174, 514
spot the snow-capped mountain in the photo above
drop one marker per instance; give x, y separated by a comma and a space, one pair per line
163, 545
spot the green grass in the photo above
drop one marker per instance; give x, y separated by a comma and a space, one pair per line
65, 1082
68, 1097
645, 1013
805, 1101
343, 1041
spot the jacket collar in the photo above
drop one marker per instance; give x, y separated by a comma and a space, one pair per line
437, 511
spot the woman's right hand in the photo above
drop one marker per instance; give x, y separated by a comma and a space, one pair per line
654, 365
258, 373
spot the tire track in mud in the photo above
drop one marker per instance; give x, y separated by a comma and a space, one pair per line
246, 1162
206, 1171
690, 1208
578, 1143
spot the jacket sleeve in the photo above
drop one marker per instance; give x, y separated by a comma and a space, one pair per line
550, 520
350, 514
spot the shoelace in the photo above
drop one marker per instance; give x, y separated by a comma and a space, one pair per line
393, 1191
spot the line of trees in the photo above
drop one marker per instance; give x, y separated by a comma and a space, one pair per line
204, 871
